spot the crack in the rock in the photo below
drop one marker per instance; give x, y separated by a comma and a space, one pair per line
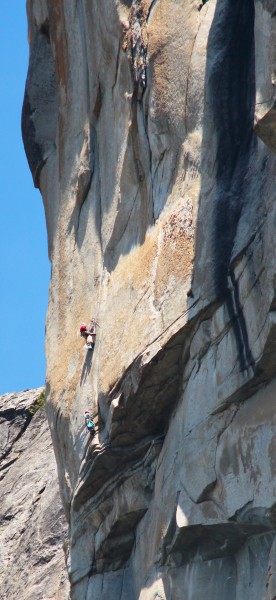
116, 67
81, 204
151, 7
140, 299
237, 319
128, 219
100, 202
204, 496
238, 257
26, 423
223, 430
202, 3
187, 86
253, 285
145, 123
187, 493
9, 463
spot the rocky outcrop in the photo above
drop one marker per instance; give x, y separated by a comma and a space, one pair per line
158, 182
33, 532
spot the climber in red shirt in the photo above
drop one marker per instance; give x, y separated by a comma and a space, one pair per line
89, 333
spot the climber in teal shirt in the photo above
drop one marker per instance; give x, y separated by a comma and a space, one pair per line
89, 423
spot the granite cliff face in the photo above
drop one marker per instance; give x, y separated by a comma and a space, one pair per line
33, 531
150, 129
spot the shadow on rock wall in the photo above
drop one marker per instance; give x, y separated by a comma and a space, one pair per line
228, 145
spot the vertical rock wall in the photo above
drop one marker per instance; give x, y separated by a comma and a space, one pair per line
149, 128
33, 532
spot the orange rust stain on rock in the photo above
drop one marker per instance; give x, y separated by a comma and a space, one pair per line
159, 60
174, 265
136, 266
176, 254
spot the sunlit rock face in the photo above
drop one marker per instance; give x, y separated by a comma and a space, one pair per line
33, 530
150, 132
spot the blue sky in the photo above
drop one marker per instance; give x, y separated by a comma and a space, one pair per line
24, 265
